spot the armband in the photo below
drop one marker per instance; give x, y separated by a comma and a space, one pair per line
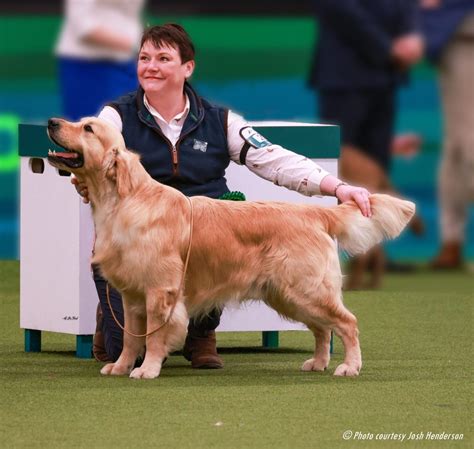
251, 139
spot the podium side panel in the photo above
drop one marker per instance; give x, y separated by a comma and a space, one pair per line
88, 298
254, 316
49, 250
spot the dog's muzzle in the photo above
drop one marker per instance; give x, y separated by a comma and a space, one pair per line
68, 158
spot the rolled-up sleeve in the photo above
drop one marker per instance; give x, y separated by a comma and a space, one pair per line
271, 161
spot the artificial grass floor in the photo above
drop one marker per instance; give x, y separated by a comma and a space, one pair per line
416, 338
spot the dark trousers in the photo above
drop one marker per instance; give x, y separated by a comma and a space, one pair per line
366, 118
113, 335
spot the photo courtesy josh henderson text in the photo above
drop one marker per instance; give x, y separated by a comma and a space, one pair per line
400, 436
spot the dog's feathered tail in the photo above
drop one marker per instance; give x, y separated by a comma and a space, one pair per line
357, 234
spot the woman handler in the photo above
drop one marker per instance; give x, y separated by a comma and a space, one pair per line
187, 143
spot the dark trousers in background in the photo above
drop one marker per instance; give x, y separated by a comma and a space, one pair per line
366, 118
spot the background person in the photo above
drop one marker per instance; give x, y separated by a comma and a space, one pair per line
363, 53
448, 27
187, 143
96, 52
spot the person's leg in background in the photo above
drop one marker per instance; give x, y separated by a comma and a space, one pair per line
360, 162
377, 129
456, 182
348, 109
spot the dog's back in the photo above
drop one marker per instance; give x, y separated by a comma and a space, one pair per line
242, 249
260, 222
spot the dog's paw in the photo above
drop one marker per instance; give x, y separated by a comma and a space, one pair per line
113, 369
315, 365
146, 372
346, 370
107, 369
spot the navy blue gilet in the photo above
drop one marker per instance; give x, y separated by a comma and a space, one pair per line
196, 164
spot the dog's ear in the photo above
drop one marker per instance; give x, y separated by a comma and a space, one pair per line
117, 169
110, 164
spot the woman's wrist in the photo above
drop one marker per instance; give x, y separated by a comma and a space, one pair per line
329, 185
340, 184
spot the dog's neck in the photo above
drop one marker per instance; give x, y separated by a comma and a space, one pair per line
98, 191
104, 192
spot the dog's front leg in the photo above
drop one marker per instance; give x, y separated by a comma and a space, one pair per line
171, 320
134, 313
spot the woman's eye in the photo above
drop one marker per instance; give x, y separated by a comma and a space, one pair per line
88, 128
164, 58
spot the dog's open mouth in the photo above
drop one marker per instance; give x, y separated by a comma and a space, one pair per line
69, 158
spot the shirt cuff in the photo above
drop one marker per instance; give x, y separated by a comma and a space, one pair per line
314, 181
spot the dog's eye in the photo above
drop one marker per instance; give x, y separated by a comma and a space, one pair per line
88, 128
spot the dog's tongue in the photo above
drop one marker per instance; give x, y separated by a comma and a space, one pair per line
67, 155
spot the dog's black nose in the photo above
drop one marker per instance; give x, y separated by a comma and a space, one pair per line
53, 124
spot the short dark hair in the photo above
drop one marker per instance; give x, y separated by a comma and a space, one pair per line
173, 35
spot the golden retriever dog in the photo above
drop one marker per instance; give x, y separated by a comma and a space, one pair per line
283, 253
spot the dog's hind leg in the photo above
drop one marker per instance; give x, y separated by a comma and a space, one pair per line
134, 313
344, 324
321, 317
160, 305
320, 361
308, 312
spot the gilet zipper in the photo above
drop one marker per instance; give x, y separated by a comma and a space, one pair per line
173, 148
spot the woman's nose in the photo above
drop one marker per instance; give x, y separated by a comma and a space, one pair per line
153, 65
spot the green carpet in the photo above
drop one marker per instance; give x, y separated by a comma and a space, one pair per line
416, 337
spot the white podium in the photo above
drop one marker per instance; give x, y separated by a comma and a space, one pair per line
57, 292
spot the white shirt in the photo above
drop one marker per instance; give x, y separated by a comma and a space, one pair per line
83, 16
271, 162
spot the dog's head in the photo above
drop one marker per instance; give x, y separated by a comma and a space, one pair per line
92, 149
86, 143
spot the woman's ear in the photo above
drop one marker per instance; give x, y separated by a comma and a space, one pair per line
189, 68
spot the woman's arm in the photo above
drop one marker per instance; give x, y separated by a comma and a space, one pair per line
286, 168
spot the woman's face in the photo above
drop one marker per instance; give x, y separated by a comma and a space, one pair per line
160, 69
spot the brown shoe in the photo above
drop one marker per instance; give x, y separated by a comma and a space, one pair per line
98, 345
449, 258
202, 352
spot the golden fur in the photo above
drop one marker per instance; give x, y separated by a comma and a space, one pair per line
282, 253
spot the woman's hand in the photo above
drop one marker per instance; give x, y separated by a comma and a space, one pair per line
81, 189
359, 195
330, 185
